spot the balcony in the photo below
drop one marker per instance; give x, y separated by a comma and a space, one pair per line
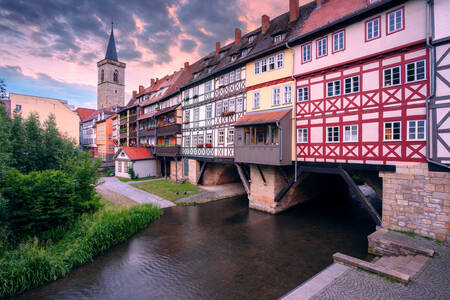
172, 151
123, 121
147, 132
123, 135
169, 130
133, 118
133, 133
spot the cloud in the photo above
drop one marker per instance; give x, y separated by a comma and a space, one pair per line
188, 45
45, 86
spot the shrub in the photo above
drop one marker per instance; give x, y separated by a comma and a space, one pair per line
34, 263
132, 173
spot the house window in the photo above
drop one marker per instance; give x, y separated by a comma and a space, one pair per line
322, 47
302, 135
119, 167
334, 88
196, 90
244, 52
257, 67
373, 29
221, 136
271, 63
416, 130
209, 111
218, 108
116, 76
251, 38
238, 74
350, 133
111, 148
351, 84
232, 77
227, 79
338, 41
392, 131
391, 76
256, 100
333, 134
415, 71
196, 113
302, 94
18, 107
239, 104
395, 21
230, 136
277, 38
264, 65
186, 94
280, 60
306, 53
225, 106
276, 96
221, 81
232, 103
208, 86
209, 138
200, 139
287, 94
187, 116
194, 141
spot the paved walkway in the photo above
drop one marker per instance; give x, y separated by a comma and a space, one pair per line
115, 185
215, 192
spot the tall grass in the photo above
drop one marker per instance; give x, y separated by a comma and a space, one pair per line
36, 262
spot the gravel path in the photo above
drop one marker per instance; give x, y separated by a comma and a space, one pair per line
115, 185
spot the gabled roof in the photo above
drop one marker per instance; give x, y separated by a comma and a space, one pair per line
84, 113
264, 117
111, 52
135, 153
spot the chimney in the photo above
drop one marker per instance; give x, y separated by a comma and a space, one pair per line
318, 3
141, 88
186, 65
265, 23
293, 10
152, 82
134, 94
217, 47
237, 36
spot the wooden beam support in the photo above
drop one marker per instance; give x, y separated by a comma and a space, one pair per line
243, 178
202, 171
262, 175
288, 185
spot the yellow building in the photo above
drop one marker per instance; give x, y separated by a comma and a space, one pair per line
67, 121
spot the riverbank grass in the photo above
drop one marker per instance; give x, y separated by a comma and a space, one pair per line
123, 179
35, 262
168, 189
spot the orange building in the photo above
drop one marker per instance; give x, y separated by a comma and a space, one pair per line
105, 143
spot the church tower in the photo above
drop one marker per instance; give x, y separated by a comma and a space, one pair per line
111, 77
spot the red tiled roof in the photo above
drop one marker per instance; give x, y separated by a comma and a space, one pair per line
167, 110
262, 117
135, 153
84, 113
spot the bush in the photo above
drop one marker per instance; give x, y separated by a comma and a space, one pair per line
34, 263
132, 174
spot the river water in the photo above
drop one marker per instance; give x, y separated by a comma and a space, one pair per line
221, 250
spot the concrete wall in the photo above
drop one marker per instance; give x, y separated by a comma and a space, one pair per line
216, 174
67, 121
417, 200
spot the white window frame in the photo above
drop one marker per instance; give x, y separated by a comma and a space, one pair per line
337, 46
276, 96
196, 113
239, 104
221, 136
209, 138
415, 71
208, 86
256, 97
238, 74
371, 29
287, 96
392, 77
230, 134
392, 134
351, 129
334, 84
306, 53
305, 91
416, 130
272, 64
322, 50
352, 80
209, 111
277, 38
302, 135
396, 15
264, 66
333, 128
280, 60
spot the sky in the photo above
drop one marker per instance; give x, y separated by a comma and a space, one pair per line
50, 48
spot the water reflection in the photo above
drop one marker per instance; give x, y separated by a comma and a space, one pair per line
221, 250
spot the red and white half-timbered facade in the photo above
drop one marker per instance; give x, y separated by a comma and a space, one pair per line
361, 90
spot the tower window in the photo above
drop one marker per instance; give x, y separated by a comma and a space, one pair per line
102, 76
116, 76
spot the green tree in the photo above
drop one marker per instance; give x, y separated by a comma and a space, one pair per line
18, 142
34, 159
5, 139
3, 92
52, 144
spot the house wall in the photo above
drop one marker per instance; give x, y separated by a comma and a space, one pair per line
286, 71
121, 167
145, 168
67, 121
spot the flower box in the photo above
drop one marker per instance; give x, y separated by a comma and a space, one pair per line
208, 145
186, 99
228, 113
195, 96
186, 122
199, 145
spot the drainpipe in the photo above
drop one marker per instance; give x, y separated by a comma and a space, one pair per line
432, 83
295, 109
281, 139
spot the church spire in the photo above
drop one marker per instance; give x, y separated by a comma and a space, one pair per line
111, 52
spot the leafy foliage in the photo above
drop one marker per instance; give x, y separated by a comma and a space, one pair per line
132, 173
3, 92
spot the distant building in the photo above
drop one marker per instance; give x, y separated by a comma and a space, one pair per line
111, 78
84, 114
138, 158
105, 143
67, 120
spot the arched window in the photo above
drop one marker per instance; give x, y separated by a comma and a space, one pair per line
116, 76
102, 76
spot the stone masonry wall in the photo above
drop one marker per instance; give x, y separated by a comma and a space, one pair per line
176, 170
194, 170
417, 200
216, 174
